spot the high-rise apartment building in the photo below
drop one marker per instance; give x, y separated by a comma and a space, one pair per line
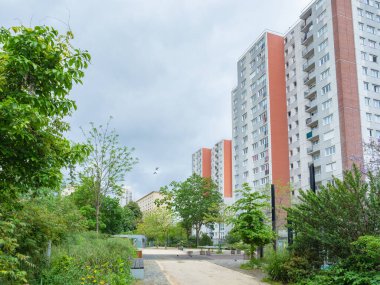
260, 137
332, 71
201, 162
216, 163
221, 167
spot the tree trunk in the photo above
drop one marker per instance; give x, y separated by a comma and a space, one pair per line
197, 229
97, 217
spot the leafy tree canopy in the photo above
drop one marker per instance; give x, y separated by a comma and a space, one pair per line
38, 67
250, 221
327, 222
195, 200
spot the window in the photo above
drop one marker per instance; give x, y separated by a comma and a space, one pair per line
330, 167
372, 58
245, 150
245, 162
364, 70
322, 31
371, 29
370, 132
362, 41
255, 170
244, 117
325, 74
367, 101
323, 45
376, 103
255, 146
330, 150
245, 174
369, 117
242, 84
321, 16
376, 88
326, 89
324, 59
366, 85
244, 128
363, 55
369, 15
361, 26
245, 139
374, 73
327, 120
326, 104
371, 44
319, 3
328, 136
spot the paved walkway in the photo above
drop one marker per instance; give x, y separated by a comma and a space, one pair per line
174, 267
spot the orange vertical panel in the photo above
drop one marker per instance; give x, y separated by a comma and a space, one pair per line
227, 168
206, 162
278, 123
347, 83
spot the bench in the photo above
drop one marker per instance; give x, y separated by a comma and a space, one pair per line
137, 268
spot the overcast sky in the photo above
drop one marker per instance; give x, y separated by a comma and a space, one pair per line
164, 70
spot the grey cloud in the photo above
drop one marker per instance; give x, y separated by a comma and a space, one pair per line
163, 69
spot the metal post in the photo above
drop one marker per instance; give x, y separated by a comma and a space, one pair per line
273, 204
312, 177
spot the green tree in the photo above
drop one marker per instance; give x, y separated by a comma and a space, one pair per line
195, 200
157, 225
134, 208
249, 220
106, 166
38, 67
327, 222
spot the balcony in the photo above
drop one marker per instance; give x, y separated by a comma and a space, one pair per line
307, 25
306, 13
311, 93
312, 136
308, 39
308, 65
313, 107
312, 150
308, 52
310, 79
312, 121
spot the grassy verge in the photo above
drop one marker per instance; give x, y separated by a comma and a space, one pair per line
90, 259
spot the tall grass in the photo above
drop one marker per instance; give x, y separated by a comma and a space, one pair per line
90, 258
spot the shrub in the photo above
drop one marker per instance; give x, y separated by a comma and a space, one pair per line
205, 240
90, 259
276, 266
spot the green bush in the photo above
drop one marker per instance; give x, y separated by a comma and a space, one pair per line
276, 265
205, 240
362, 267
90, 259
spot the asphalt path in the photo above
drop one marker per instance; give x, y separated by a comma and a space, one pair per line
175, 267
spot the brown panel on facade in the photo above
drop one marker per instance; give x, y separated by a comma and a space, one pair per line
206, 162
227, 146
278, 125
347, 82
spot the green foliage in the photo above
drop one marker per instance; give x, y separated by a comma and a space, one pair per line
232, 237
90, 259
362, 267
105, 167
37, 69
114, 219
156, 225
327, 222
249, 222
205, 240
10, 259
276, 265
195, 200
